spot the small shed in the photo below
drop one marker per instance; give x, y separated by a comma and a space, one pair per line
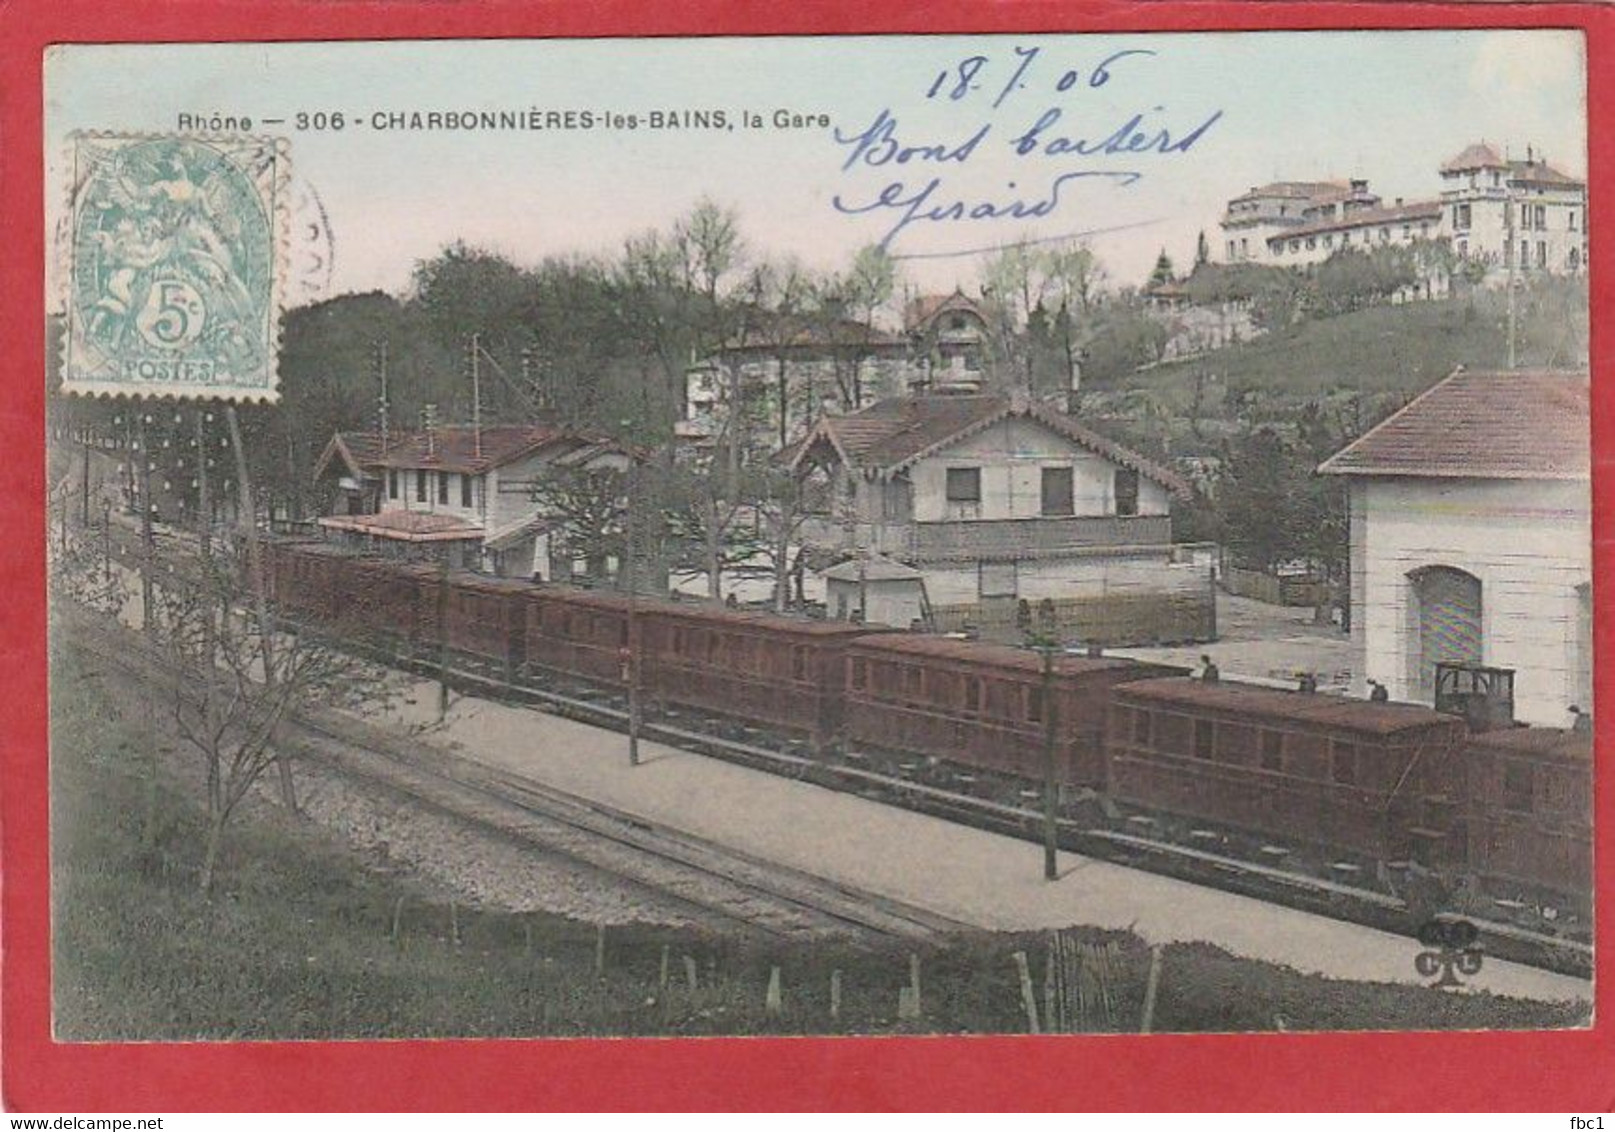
885, 590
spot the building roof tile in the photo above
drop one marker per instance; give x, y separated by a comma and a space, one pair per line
458, 448
891, 434
1517, 424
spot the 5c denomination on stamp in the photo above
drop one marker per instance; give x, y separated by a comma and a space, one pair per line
177, 253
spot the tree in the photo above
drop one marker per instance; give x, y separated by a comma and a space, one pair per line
1255, 499
856, 298
1164, 272
1202, 250
230, 695
590, 508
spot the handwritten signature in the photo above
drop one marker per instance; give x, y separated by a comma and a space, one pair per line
925, 203
1147, 135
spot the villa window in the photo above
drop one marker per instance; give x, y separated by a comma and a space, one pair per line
964, 485
465, 491
1126, 491
1058, 492
443, 488
420, 485
392, 483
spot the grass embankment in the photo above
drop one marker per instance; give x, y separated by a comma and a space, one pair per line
297, 943
1396, 349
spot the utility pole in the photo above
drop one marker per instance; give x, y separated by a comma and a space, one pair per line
381, 399
443, 637
266, 619
1509, 256
631, 660
476, 395
1051, 788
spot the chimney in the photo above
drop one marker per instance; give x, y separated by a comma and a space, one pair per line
1398, 202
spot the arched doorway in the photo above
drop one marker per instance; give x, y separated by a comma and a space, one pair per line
1445, 624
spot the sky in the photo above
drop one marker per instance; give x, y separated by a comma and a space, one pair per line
1387, 106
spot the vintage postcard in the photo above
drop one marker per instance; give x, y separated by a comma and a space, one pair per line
850, 535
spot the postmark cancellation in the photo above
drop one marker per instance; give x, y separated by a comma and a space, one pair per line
176, 257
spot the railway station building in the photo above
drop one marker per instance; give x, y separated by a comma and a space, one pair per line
461, 494
1471, 540
1010, 512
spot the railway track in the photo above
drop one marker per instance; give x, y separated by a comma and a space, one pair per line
760, 750
715, 886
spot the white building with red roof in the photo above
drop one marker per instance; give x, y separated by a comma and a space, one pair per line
465, 494
1506, 214
1471, 539
1002, 504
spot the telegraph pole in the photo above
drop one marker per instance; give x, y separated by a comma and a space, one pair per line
631, 660
476, 395
1513, 252
1051, 788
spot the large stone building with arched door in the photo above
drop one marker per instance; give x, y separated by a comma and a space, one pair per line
1471, 539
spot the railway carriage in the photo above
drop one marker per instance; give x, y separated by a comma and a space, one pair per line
581, 634
485, 620
1530, 812
772, 670
983, 705
1381, 780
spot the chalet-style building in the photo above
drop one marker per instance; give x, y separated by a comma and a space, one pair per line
1003, 504
951, 341
783, 373
467, 495
1471, 540
347, 479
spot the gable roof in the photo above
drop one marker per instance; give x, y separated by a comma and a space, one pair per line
357, 451
892, 434
1517, 424
1534, 170
1363, 218
455, 448
921, 311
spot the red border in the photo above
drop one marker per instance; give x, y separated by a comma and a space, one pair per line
1572, 1071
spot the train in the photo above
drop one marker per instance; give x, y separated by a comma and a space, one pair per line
1342, 786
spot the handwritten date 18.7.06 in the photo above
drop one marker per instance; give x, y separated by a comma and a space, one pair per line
958, 82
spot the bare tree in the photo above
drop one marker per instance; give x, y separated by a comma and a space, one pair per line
230, 696
590, 506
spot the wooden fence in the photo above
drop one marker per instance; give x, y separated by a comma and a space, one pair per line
1275, 589
1114, 620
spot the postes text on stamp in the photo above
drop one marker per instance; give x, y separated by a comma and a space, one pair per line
175, 266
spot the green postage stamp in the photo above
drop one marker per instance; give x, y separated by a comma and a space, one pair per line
174, 266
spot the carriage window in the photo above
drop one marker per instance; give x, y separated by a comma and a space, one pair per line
1343, 764
860, 673
1272, 750
1205, 735
799, 662
913, 680
714, 647
1141, 726
1034, 705
622, 633
678, 642
1517, 788
972, 693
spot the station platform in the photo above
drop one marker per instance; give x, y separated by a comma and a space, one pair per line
983, 879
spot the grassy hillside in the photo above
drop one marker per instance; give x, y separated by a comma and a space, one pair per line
1387, 349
